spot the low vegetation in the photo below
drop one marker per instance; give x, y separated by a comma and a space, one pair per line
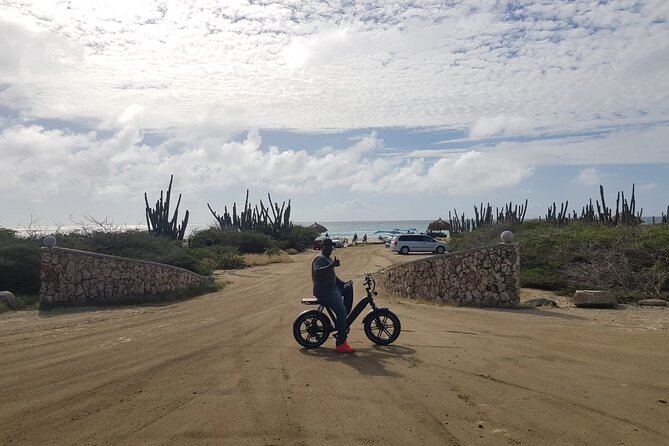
266, 259
22, 302
633, 261
19, 263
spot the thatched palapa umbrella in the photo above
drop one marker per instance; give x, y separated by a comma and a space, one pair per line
439, 225
319, 228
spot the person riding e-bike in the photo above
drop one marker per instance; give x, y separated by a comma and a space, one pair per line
328, 288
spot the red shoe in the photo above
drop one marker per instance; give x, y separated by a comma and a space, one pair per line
344, 348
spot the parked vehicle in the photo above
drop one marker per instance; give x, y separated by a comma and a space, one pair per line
388, 240
406, 243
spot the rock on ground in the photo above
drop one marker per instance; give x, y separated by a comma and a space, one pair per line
7, 297
653, 302
592, 298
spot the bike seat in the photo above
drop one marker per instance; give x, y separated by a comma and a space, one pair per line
310, 301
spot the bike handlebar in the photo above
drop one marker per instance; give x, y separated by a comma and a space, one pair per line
369, 282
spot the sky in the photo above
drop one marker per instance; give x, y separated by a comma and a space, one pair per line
352, 109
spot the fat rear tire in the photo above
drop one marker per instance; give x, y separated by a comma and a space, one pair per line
311, 329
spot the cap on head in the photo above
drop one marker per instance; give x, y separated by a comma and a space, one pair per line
328, 242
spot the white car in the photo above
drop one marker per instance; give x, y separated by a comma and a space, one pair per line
406, 243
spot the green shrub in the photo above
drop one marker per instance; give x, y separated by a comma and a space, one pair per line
255, 242
221, 257
244, 241
134, 244
19, 263
22, 302
297, 237
541, 278
487, 235
208, 264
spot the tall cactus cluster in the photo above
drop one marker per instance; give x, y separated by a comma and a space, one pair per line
558, 218
252, 218
485, 217
158, 221
626, 215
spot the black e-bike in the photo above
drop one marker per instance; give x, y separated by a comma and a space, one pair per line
312, 327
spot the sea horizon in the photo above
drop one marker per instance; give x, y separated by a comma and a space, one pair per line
344, 228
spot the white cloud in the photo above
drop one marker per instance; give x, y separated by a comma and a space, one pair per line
31, 53
645, 145
346, 206
323, 47
55, 160
42, 162
648, 186
589, 177
561, 67
130, 114
499, 126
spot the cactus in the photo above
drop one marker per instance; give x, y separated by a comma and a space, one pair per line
588, 213
559, 218
625, 216
484, 216
157, 220
256, 218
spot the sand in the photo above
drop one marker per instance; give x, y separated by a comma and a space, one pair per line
224, 369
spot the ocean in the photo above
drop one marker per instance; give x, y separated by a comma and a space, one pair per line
334, 228
373, 229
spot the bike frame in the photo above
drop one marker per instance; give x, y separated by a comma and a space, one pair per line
355, 311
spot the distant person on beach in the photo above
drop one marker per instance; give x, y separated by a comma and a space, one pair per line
355, 238
364, 238
328, 289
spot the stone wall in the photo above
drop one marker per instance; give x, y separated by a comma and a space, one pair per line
486, 277
78, 277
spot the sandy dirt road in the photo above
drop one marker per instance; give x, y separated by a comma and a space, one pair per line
224, 369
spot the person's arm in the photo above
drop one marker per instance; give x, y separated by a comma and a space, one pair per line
322, 265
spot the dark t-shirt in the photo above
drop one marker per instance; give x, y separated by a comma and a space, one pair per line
324, 280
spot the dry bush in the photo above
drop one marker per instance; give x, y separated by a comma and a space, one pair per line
601, 269
266, 259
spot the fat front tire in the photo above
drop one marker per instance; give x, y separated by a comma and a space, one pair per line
440, 250
382, 327
404, 250
311, 329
